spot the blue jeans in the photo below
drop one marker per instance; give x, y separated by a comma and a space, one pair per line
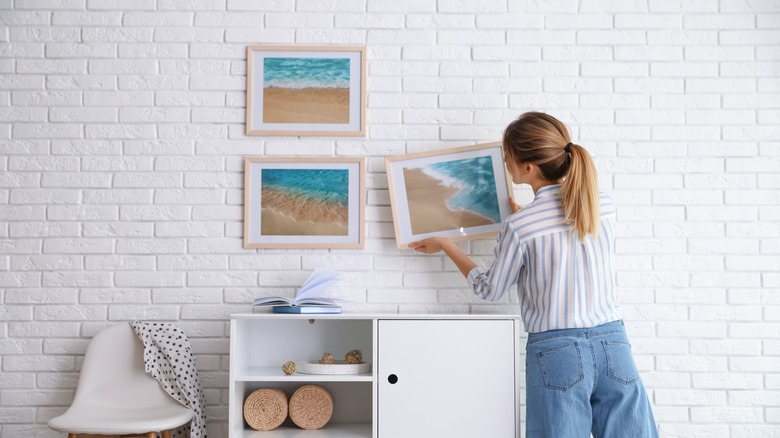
583, 381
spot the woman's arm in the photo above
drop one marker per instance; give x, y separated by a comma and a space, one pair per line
489, 284
435, 244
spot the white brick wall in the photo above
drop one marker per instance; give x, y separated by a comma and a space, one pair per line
122, 144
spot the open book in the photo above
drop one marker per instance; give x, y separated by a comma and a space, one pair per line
309, 294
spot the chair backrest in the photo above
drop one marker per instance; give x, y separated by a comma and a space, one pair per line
114, 367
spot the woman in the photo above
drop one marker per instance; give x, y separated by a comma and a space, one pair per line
559, 250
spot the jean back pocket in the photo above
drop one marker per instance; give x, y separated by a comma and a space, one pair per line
561, 366
620, 362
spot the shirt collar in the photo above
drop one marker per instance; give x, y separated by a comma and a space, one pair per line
548, 191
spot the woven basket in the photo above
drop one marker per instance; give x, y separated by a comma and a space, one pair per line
265, 409
311, 407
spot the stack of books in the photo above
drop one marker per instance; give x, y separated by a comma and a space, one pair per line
308, 299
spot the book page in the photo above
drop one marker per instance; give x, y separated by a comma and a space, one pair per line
272, 301
319, 280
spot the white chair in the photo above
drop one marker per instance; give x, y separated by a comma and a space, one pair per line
115, 396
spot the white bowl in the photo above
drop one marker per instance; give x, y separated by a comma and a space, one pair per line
314, 367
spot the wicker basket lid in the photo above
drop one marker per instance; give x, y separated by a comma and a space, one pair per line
266, 409
311, 407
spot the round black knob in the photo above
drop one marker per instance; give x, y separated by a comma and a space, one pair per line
392, 378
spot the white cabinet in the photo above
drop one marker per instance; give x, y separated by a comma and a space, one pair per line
446, 378
453, 375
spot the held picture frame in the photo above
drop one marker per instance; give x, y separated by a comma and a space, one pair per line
297, 202
306, 90
461, 193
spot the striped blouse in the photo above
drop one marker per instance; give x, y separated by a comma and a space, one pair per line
562, 282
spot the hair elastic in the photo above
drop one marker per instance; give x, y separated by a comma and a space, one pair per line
567, 148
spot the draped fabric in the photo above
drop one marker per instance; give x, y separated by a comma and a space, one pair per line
168, 358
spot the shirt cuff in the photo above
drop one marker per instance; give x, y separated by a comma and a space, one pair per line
473, 274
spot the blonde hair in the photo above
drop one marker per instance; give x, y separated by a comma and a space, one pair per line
543, 140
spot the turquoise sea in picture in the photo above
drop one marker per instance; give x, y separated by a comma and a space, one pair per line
475, 180
306, 72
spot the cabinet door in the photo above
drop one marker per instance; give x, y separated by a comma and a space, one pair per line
453, 378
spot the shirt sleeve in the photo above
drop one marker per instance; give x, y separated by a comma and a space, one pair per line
491, 284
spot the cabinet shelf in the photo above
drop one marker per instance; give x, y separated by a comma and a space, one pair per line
332, 430
269, 374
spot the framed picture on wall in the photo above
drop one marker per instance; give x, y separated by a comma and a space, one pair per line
462, 193
304, 202
306, 90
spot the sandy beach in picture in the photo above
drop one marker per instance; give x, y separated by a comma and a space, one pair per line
306, 90
427, 198
288, 215
304, 202
305, 105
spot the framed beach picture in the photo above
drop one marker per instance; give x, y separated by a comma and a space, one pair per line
306, 90
462, 193
304, 202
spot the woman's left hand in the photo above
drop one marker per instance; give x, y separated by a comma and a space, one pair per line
430, 245
435, 244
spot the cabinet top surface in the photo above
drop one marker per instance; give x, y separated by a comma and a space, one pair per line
371, 316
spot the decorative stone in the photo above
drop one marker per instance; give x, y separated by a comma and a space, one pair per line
351, 359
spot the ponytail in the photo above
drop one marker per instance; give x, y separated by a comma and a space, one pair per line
580, 193
543, 140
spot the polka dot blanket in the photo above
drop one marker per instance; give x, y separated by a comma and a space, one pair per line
168, 358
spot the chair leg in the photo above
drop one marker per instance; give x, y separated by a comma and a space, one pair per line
166, 434
72, 435
151, 435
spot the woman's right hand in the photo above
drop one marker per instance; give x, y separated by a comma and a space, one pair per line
514, 206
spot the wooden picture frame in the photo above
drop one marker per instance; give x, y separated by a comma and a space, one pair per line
306, 90
304, 202
461, 193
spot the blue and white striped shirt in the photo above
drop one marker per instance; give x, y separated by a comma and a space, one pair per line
562, 282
